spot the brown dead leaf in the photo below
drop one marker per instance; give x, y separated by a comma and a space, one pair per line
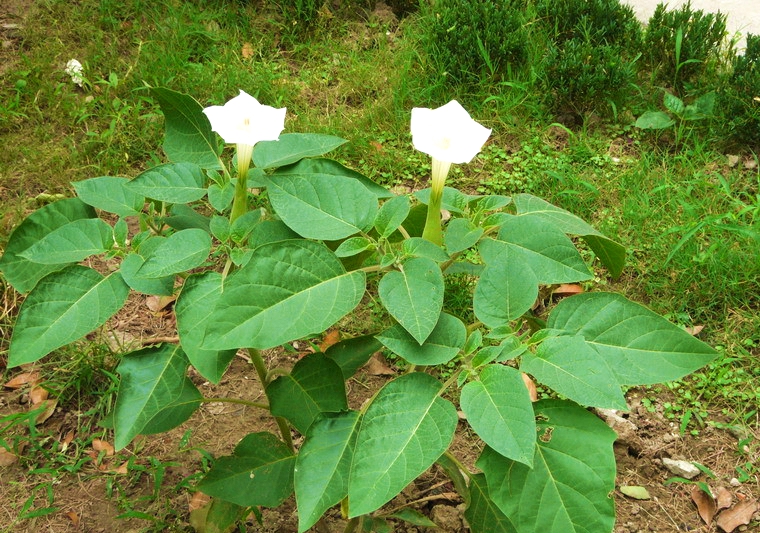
198, 500
532, 392
567, 289
74, 518
705, 504
38, 395
732, 160
376, 145
102, 446
750, 164
7, 458
122, 469
331, 337
739, 515
247, 51
25, 378
377, 366
724, 498
159, 303
48, 408
694, 330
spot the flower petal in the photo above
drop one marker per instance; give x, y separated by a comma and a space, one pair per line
447, 133
243, 120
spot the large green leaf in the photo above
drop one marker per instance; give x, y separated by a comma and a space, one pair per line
610, 253
154, 395
193, 308
498, 408
569, 488
292, 147
71, 242
404, 430
62, 308
640, 346
110, 194
314, 386
442, 345
460, 235
654, 120
180, 252
323, 465
414, 296
287, 290
506, 288
577, 371
188, 136
158, 286
329, 167
352, 354
174, 183
22, 273
544, 248
482, 514
321, 206
391, 215
259, 472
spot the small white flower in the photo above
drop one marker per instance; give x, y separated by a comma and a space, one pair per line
74, 69
243, 120
448, 133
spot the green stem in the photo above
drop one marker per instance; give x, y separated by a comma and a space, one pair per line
432, 231
261, 370
240, 202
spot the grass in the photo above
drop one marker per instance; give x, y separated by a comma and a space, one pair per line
687, 217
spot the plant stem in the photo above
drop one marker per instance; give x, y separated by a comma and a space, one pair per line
261, 370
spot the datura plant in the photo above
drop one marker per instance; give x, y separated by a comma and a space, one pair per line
320, 238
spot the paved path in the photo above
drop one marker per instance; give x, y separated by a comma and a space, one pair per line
743, 15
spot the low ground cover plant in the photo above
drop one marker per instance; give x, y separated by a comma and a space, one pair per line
257, 271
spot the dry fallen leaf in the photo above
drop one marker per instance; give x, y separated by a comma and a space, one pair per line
636, 492
732, 160
739, 515
331, 337
38, 395
567, 289
102, 446
198, 500
48, 408
694, 330
377, 367
705, 504
724, 498
74, 518
750, 164
247, 51
22, 379
7, 458
532, 392
159, 303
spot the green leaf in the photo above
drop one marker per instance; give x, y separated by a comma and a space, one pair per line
158, 286
499, 409
185, 217
391, 215
323, 465
154, 395
269, 231
219, 226
328, 167
243, 225
654, 120
314, 386
220, 197
352, 354
460, 235
453, 200
414, 296
174, 183
673, 103
321, 206
482, 514
21, 273
180, 252
492, 202
569, 488
442, 345
577, 371
193, 307
71, 243
419, 247
62, 308
353, 246
506, 289
110, 194
610, 253
545, 249
259, 472
640, 346
288, 289
188, 137
292, 147
406, 427
413, 517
